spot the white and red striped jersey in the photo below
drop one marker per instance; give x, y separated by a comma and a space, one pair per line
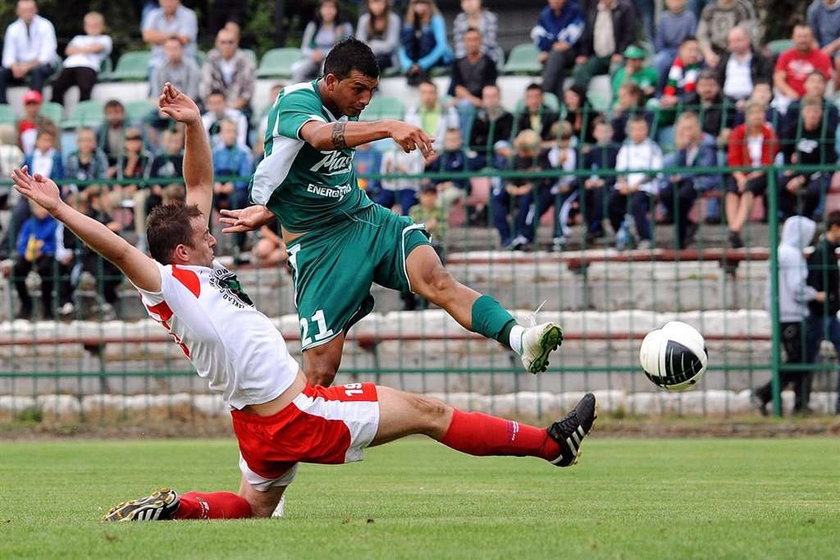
229, 342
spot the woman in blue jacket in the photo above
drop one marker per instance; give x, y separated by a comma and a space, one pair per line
423, 41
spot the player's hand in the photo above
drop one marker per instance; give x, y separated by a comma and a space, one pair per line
175, 104
38, 189
251, 218
410, 137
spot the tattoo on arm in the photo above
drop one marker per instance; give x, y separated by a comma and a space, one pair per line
338, 136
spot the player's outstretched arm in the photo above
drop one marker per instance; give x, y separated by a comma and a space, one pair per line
140, 269
343, 134
198, 159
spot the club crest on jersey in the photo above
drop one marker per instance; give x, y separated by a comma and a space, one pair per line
333, 163
227, 283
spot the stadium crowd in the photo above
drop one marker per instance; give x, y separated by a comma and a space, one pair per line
691, 87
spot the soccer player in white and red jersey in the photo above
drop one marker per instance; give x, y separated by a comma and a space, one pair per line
279, 419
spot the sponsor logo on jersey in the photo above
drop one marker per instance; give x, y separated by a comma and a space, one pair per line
226, 282
333, 163
329, 192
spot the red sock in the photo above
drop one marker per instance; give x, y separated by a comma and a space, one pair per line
480, 434
212, 505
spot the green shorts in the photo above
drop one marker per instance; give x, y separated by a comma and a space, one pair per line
333, 270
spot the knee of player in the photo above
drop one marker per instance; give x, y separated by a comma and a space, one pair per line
434, 411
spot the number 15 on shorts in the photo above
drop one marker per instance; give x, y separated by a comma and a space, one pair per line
320, 323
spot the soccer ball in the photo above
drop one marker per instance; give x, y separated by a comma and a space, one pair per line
674, 356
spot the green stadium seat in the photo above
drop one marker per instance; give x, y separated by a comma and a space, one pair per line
523, 60
779, 46
599, 100
132, 66
277, 63
250, 55
54, 112
85, 113
138, 111
106, 69
384, 107
7, 115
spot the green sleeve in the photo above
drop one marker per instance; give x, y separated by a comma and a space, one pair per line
295, 110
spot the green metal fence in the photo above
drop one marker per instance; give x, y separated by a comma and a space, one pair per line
98, 368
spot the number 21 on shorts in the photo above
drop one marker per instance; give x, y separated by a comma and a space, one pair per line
320, 323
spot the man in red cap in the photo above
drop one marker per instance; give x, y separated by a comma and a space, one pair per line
27, 127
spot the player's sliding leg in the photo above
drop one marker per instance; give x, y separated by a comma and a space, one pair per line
166, 504
402, 414
480, 313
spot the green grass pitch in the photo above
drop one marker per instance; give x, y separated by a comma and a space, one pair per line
677, 498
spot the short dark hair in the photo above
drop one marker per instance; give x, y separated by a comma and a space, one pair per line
167, 227
688, 39
114, 104
348, 55
707, 74
533, 86
832, 220
216, 92
428, 82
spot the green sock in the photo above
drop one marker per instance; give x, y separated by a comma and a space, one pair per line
492, 320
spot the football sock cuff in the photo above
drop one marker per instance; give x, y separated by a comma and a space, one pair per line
492, 320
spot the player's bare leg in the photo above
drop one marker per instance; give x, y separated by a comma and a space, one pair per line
480, 313
262, 503
321, 363
402, 414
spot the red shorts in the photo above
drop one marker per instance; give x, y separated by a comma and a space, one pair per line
328, 425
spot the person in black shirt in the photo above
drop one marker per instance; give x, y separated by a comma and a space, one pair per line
536, 116
809, 144
491, 131
470, 74
596, 187
824, 276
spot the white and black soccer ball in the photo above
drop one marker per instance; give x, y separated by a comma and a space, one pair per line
674, 356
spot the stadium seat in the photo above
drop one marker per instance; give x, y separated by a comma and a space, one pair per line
132, 66
85, 113
106, 70
779, 46
277, 63
54, 112
7, 115
138, 111
250, 55
384, 107
523, 60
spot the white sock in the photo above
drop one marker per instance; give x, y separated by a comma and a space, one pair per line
516, 338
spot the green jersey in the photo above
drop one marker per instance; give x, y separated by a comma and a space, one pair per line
305, 188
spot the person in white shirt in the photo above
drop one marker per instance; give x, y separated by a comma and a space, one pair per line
218, 111
29, 49
85, 55
633, 191
171, 20
279, 419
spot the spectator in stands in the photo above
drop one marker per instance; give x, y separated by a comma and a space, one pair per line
752, 144
794, 65
794, 295
170, 21
633, 191
535, 114
556, 34
11, 157
560, 192
36, 251
400, 192
491, 131
431, 115
610, 28
85, 55
270, 249
217, 111
516, 194
319, 37
165, 165
112, 133
423, 41
635, 71
596, 187
230, 159
228, 69
181, 72
428, 213
451, 160
716, 20
366, 161
579, 113
717, 114
675, 25
815, 86
630, 102
45, 158
379, 27
681, 190
824, 19
87, 163
810, 143
470, 74
741, 67
33, 121
133, 163
763, 95
824, 276
475, 16
682, 77
29, 49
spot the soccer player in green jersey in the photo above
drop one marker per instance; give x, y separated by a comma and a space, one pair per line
340, 242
